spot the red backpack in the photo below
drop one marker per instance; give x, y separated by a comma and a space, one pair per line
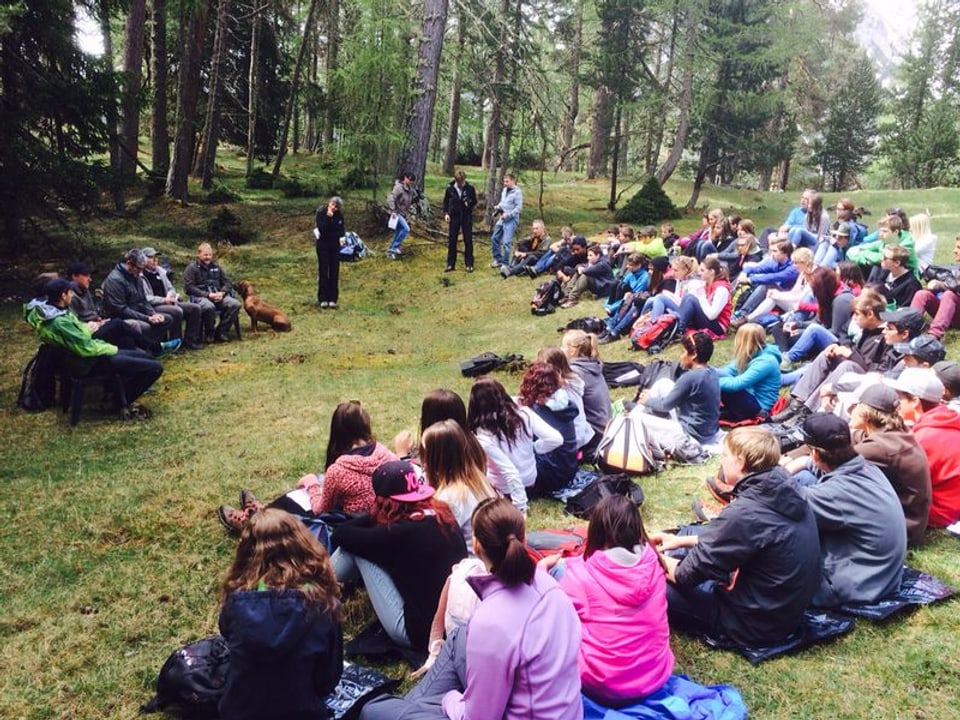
654, 335
568, 542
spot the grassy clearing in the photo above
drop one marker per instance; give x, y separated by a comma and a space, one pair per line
112, 554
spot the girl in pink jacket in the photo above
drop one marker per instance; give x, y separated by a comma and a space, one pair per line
619, 591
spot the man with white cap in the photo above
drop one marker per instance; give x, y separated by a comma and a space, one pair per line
937, 429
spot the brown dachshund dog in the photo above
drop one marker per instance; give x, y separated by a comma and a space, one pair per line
260, 311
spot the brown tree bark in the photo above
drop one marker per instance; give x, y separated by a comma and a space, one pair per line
194, 29
159, 129
133, 81
603, 103
207, 157
414, 158
491, 151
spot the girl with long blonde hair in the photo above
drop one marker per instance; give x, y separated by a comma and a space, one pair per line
750, 382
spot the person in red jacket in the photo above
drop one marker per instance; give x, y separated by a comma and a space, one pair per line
937, 429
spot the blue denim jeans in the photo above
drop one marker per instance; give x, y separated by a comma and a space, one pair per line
501, 239
812, 340
801, 237
403, 229
384, 596
657, 305
543, 264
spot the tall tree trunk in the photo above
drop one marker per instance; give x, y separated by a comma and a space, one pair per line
116, 185
573, 102
194, 29
207, 157
685, 102
294, 89
491, 151
414, 158
615, 165
333, 92
159, 130
133, 81
600, 132
453, 116
253, 84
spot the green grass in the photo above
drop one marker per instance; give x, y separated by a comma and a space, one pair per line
111, 551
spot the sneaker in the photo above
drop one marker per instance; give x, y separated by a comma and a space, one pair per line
332, 306
135, 412
393, 255
324, 305
737, 322
469, 268
169, 347
495, 265
531, 271
504, 272
193, 345
607, 338
248, 501
220, 338
568, 303
786, 365
232, 519
449, 268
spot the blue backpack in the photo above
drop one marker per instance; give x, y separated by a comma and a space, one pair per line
353, 248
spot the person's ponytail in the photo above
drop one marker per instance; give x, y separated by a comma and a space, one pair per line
499, 529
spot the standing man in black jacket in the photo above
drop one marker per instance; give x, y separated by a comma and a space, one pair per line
458, 203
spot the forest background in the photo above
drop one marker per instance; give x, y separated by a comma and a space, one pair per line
111, 550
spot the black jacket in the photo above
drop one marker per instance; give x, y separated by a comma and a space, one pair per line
123, 296
284, 657
766, 541
331, 229
416, 554
459, 206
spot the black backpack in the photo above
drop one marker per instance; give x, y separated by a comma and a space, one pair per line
485, 363
191, 680
582, 504
546, 298
38, 388
588, 324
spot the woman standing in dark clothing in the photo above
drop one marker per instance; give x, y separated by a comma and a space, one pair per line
330, 232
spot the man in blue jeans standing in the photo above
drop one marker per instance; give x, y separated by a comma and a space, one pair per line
398, 202
509, 207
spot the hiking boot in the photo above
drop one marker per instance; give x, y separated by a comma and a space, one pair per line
794, 407
232, 519
248, 501
704, 510
607, 338
169, 347
722, 491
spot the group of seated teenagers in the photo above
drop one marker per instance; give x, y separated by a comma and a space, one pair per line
482, 609
135, 319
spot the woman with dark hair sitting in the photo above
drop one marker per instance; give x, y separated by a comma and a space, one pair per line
518, 656
512, 437
619, 590
541, 391
437, 405
353, 454
388, 549
688, 408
